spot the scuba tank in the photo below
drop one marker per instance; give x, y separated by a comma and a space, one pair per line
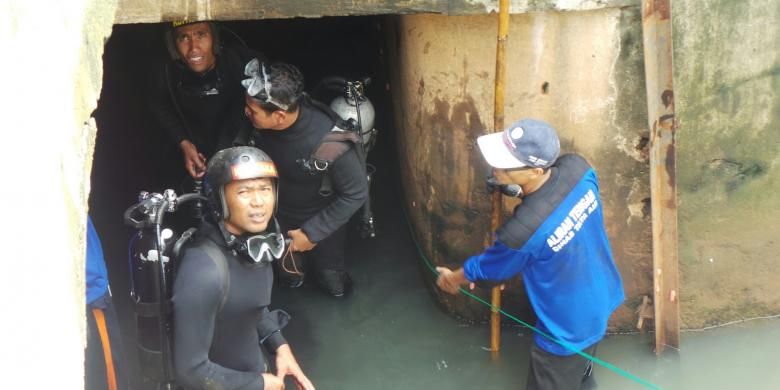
153, 252
354, 107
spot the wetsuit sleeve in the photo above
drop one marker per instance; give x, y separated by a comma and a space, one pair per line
271, 331
350, 186
498, 262
162, 108
197, 293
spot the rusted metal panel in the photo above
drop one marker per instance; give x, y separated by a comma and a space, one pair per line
657, 32
444, 95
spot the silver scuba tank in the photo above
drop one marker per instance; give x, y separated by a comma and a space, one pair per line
346, 107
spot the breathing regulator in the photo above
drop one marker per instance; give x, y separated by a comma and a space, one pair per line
510, 190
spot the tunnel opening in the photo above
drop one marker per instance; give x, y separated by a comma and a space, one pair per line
132, 153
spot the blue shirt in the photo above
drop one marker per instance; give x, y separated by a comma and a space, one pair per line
556, 239
97, 276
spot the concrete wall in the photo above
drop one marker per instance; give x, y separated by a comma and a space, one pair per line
52, 71
727, 78
143, 11
580, 71
727, 74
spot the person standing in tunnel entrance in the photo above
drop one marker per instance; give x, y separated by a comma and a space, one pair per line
557, 240
222, 288
104, 360
290, 126
197, 99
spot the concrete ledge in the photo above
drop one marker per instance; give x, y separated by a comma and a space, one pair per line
145, 11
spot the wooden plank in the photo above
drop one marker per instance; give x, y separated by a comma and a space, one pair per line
657, 37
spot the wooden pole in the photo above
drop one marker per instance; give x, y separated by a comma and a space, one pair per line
498, 125
657, 37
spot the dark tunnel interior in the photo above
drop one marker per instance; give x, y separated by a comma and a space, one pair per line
132, 154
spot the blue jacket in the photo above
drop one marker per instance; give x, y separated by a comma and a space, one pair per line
556, 239
97, 276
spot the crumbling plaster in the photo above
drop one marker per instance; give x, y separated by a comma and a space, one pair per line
52, 76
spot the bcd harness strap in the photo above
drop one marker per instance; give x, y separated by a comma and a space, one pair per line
153, 359
332, 146
220, 261
279, 317
213, 252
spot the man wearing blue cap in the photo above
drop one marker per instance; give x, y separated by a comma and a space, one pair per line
556, 239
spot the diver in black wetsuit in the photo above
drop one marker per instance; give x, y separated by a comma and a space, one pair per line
196, 96
289, 127
222, 288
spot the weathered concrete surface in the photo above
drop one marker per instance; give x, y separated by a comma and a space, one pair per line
52, 75
727, 74
591, 90
145, 11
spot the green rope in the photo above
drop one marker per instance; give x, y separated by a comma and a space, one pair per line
608, 365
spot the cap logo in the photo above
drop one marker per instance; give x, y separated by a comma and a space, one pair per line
517, 132
508, 141
179, 23
252, 171
539, 162
511, 136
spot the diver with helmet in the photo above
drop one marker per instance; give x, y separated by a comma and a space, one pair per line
208, 330
222, 285
318, 197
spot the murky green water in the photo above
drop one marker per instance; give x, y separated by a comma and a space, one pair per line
390, 334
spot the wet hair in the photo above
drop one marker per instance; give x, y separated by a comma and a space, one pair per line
286, 87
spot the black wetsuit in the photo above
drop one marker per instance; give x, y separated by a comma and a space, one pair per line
208, 109
213, 348
300, 204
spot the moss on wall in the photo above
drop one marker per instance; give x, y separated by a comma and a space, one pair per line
727, 74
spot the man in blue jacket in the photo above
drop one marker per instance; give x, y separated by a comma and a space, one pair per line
556, 239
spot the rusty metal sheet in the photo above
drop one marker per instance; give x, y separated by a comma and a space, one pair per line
657, 36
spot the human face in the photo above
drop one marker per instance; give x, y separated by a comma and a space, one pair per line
194, 43
251, 205
530, 179
260, 118
521, 176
